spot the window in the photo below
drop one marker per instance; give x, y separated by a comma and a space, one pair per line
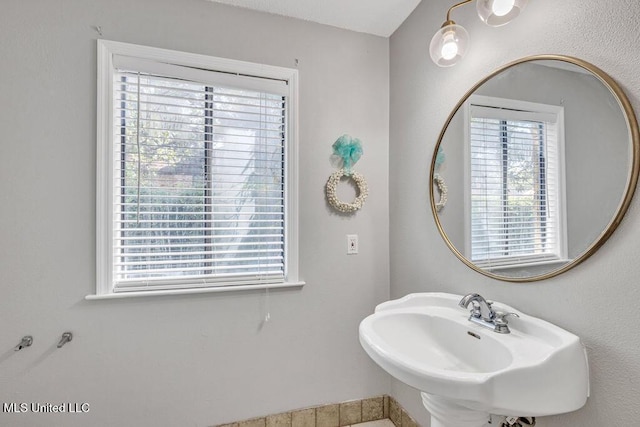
196, 172
516, 203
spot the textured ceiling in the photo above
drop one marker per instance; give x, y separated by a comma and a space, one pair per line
379, 17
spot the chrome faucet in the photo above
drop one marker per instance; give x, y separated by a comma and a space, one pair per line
484, 315
481, 308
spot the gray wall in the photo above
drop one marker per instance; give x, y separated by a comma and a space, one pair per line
422, 95
186, 360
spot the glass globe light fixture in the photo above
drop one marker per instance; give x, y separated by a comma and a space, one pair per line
499, 12
449, 44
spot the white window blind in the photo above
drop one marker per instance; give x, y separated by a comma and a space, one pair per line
516, 191
198, 179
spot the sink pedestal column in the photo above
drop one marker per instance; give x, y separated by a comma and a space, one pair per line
447, 413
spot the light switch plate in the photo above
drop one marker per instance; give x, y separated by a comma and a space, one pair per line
352, 244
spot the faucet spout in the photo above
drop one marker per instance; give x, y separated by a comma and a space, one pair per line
481, 308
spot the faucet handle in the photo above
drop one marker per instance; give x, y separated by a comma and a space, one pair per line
502, 317
501, 323
26, 341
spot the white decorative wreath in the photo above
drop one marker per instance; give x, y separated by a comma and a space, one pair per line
442, 189
332, 184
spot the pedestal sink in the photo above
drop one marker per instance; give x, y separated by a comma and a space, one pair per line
466, 371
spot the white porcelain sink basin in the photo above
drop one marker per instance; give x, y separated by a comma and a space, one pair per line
427, 341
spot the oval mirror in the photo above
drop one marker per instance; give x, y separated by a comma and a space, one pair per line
535, 168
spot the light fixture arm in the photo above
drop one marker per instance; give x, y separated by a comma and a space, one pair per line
462, 3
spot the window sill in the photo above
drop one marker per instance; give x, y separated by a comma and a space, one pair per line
559, 261
166, 292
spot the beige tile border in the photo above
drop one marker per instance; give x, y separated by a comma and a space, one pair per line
336, 415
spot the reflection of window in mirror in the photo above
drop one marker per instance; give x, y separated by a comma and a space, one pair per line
515, 206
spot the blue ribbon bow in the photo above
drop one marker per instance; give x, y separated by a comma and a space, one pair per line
349, 150
439, 158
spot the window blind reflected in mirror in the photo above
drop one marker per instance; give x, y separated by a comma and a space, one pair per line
516, 206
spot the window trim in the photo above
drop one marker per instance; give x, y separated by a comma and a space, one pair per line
513, 104
104, 159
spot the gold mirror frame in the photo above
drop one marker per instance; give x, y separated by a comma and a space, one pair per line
632, 125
